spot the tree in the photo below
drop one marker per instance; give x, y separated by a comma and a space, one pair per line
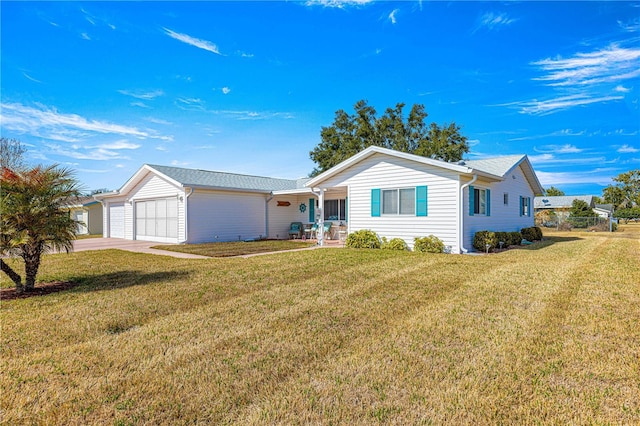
631, 213
11, 153
580, 213
626, 193
351, 133
33, 220
552, 191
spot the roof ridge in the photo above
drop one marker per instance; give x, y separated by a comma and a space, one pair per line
220, 172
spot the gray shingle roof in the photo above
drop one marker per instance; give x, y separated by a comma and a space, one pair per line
561, 201
206, 178
498, 166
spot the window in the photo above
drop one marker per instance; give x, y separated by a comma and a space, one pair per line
479, 201
335, 209
399, 201
505, 198
524, 206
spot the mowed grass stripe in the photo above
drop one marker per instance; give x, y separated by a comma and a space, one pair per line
440, 353
337, 336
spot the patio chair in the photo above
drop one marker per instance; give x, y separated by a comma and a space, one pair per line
295, 230
312, 231
326, 231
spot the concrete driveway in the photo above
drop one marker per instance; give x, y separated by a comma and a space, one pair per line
128, 245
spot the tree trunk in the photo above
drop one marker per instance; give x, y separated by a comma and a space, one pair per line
31, 256
13, 275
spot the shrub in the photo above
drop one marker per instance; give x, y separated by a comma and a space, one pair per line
364, 238
515, 238
565, 226
531, 234
393, 244
430, 244
482, 238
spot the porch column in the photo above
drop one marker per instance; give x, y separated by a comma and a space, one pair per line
320, 232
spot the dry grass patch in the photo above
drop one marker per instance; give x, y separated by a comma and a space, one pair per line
546, 334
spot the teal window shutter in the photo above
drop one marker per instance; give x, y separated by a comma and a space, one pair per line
488, 202
421, 201
312, 210
375, 202
529, 206
521, 206
346, 209
471, 201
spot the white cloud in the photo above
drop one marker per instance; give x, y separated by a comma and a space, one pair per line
226, 90
85, 36
122, 144
493, 21
28, 77
80, 153
340, 4
624, 149
392, 16
608, 65
600, 177
560, 149
620, 88
196, 42
50, 124
550, 106
141, 94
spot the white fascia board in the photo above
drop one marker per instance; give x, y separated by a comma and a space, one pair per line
224, 188
293, 191
378, 150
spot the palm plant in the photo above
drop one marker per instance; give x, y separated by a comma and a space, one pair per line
33, 220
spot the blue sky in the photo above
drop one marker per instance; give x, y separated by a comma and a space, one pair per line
245, 87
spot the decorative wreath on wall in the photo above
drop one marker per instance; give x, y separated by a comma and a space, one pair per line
303, 207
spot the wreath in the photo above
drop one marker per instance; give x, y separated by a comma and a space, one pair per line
302, 207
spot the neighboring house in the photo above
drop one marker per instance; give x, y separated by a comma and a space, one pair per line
604, 210
392, 193
561, 205
88, 211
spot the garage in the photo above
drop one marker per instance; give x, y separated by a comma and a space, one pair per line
116, 220
157, 220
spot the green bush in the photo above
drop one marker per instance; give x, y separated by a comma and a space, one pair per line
482, 238
515, 238
430, 244
364, 238
393, 244
531, 234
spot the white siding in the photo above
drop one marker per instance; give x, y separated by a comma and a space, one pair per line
225, 216
280, 217
153, 187
502, 218
385, 172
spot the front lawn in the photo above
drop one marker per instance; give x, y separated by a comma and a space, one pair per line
237, 248
543, 335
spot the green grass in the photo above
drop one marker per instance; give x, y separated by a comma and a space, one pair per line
238, 248
542, 335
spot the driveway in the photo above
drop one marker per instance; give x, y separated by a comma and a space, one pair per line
129, 245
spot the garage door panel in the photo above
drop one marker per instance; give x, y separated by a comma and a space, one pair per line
157, 220
116, 220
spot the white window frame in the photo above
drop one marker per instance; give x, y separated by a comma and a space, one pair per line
398, 210
342, 212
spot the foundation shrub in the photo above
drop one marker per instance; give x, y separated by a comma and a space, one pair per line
393, 244
364, 238
482, 238
430, 244
531, 234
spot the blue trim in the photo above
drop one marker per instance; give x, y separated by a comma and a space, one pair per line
521, 210
312, 210
471, 200
375, 202
488, 207
421, 201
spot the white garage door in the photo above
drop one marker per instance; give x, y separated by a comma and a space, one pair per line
116, 220
157, 220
